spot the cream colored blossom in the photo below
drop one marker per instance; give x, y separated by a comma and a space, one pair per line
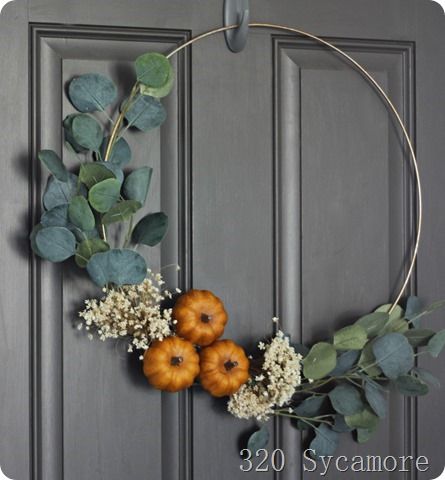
132, 311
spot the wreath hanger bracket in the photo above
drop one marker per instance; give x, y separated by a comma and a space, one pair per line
236, 12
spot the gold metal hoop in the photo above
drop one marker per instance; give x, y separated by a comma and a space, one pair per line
364, 72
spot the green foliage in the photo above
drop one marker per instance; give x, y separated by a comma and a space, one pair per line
87, 132
119, 267
345, 362
104, 194
80, 214
56, 217
411, 386
91, 92
365, 434
32, 239
418, 337
374, 323
364, 419
54, 164
396, 322
145, 113
121, 212
350, 338
346, 399
258, 439
340, 425
426, 376
159, 92
137, 184
60, 193
92, 173
310, 407
320, 361
69, 138
151, 229
120, 153
153, 69
367, 361
436, 344
88, 248
325, 442
55, 244
114, 169
394, 354
375, 398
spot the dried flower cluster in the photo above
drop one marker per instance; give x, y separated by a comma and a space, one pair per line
132, 312
274, 387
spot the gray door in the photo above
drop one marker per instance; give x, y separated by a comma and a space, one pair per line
288, 194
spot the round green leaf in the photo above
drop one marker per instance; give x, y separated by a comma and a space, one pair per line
121, 211
320, 361
55, 244
120, 153
364, 419
396, 322
92, 173
32, 239
151, 229
56, 217
88, 248
373, 323
419, 337
436, 344
54, 164
365, 434
368, 363
87, 132
80, 213
104, 195
346, 399
426, 376
350, 338
375, 398
325, 442
258, 440
310, 407
91, 92
345, 362
60, 193
114, 169
137, 183
414, 306
340, 425
394, 354
120, 267
411, 386
69, 138
145, 113
159, 92
153, 69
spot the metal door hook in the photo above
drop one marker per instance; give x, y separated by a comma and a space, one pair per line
236, 12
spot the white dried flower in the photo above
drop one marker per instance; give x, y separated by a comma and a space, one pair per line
132, 311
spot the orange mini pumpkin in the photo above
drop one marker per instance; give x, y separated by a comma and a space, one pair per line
172, 364
200, 317
224, 368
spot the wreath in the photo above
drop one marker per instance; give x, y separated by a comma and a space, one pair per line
333, 387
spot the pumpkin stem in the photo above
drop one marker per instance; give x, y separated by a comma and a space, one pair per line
205, 318
176, 361
229, 365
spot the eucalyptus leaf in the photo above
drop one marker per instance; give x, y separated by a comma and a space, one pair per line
394, 354
114, 169
81, 235
91, 92
415, 318
418, 337
151, 229
364, 419
346, 399
60, 193
367, 362
320, 361
375, 398
396, 322
119, 267
121, 211
145, 113
340, 425
55, 244
88, 248
411, 386
32, 239
373, 323
56, 217
54, 164
159, 92
325, 442
137, 183
345, 362
258, 440
104, 195
365, 434
426, 376
436, 344
153, 69
120, 154
414, 306
310, 407
92, 173
69, 138
87, 132
80, 214
353, 337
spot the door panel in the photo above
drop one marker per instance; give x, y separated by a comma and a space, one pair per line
288, 194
